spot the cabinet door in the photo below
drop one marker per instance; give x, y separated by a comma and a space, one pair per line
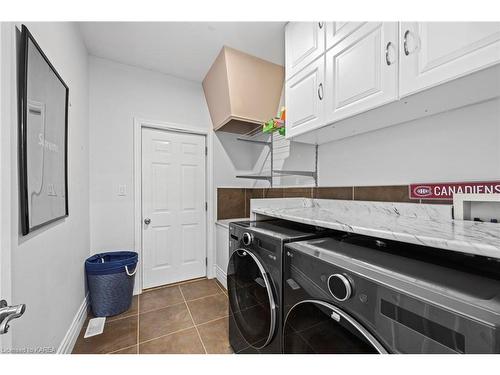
222, 252
304, 99
338, 31
435, 52
304, 42
362, 71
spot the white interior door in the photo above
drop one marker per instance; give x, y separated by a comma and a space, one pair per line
173, 207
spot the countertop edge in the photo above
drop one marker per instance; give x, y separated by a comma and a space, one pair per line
435, 242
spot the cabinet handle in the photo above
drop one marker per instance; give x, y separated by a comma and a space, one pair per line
320, 91
320, 24
405, 42
387, 59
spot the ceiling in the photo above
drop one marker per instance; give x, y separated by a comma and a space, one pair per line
182, 49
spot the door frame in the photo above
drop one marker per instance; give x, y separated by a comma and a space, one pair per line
139, 124
7, 79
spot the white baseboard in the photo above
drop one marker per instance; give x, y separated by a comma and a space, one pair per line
221, 276
69, 340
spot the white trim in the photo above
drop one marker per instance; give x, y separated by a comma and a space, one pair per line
69, 340
221, 276
211, 196
161, 125
7, 78
140, 123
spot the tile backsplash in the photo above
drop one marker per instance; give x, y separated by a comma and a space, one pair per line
234, 203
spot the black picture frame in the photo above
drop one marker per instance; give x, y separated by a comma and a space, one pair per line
23, 73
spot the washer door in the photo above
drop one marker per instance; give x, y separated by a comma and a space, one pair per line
318, 327
251, 298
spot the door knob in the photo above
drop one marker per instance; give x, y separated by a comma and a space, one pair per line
8, 313
147, 221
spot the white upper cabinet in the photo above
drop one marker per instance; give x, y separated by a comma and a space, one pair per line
435, 52
338, 31
361, 71
304, 99
338, 70
304, 42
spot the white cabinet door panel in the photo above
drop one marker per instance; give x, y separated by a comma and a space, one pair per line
222, 253
303, 99
362, 71
338, 31
435, 52
304, 42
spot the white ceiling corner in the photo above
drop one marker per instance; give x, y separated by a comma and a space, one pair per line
182, 49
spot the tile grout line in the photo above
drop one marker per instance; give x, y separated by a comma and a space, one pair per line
221, 289
194, 323
117, 319
178, 303
168, 334
213, 320
174, 284
119, 350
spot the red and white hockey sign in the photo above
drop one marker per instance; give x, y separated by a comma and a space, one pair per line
446, 190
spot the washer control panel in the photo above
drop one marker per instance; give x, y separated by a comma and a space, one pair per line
247, 238
340, 287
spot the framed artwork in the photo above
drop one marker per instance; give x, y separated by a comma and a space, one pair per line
43, 138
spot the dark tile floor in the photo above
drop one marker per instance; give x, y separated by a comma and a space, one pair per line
190, 317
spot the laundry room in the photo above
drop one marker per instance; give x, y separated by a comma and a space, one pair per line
210, 182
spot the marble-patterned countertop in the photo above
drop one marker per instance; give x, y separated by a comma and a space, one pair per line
225, 222
421, 224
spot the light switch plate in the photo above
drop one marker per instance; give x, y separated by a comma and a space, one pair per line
122, 190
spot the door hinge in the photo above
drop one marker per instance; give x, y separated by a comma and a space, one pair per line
206, 262
206, 150
206, 206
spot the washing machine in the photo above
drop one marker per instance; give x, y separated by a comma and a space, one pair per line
254, 282
366, 295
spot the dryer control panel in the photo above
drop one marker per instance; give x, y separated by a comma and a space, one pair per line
383, 293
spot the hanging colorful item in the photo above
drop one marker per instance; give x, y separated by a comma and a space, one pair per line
276, 124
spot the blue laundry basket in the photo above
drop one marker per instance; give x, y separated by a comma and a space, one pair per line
110, 279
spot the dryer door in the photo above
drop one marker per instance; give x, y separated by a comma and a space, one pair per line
251, 298
314, 326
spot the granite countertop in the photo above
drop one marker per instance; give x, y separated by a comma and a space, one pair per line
421, 224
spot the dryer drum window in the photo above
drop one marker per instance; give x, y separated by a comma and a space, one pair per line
317, 327
251, 299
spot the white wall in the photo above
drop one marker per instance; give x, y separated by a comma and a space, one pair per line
459, 145
233, 157
118, 93
48, 264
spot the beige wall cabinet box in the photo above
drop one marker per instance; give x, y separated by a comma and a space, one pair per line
242, 91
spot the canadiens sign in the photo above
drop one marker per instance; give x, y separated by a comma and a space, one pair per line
446, 190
